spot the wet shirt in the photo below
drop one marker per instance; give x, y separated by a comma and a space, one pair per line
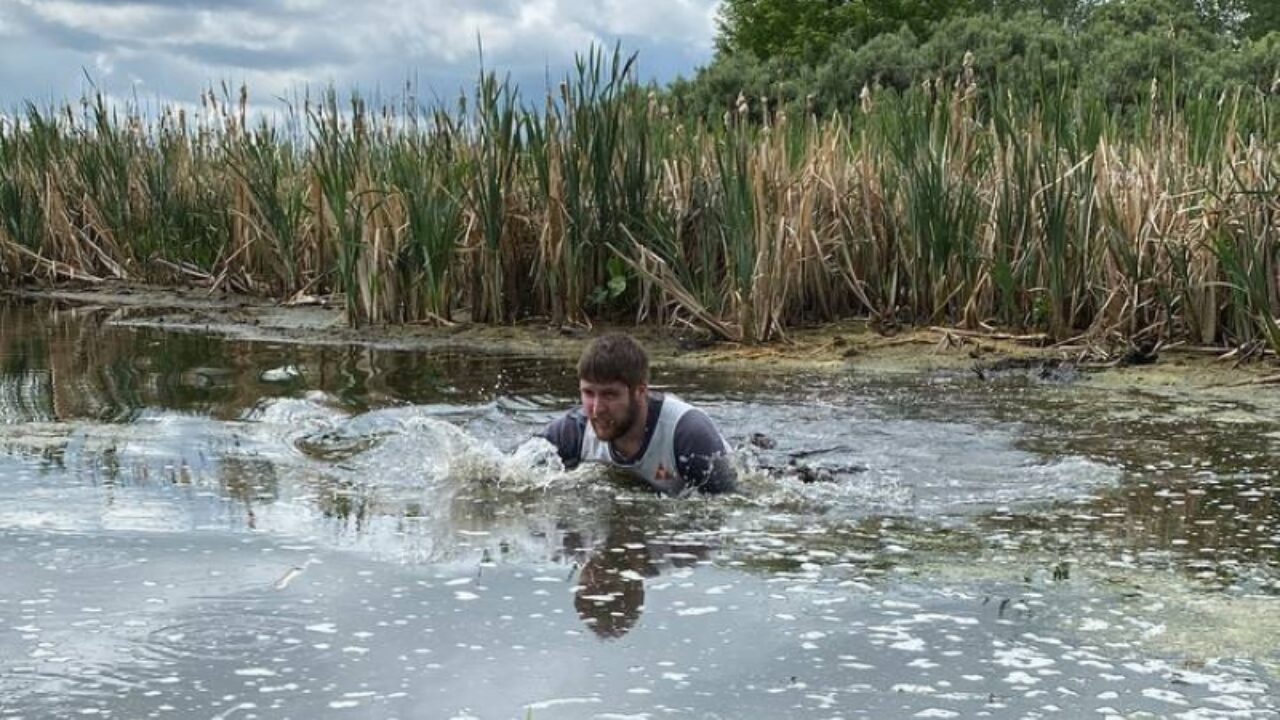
700, 453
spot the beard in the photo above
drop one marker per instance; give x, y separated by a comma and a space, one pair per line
610, 429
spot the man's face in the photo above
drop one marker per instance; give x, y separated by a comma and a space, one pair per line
612, 407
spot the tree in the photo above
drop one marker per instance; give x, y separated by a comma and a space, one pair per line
1261, 17
816, 55
806, 29
1065, 11
774, 28
1236, 19
1129, 43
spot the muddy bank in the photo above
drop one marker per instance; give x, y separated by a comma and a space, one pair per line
842, 347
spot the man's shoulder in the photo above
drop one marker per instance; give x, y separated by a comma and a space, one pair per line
696, 427
565, 432
572, 419
701, 453
671, 404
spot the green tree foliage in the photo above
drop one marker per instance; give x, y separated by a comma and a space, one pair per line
1258, 63
1112, 48
1263, 17
1130, 42
806, 29
1011, 51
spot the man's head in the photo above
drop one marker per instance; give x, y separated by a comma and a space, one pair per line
613, 379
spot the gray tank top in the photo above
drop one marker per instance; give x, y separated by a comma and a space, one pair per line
658, 463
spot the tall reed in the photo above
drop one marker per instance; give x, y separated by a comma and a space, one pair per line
1027, 208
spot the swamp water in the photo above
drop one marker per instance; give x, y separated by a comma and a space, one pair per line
197, 528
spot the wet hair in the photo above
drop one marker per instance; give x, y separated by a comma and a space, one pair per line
614, 357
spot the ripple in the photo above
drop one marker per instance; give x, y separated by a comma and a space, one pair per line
224, 633
44, 692
85, 558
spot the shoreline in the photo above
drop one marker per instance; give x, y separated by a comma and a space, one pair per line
841, 347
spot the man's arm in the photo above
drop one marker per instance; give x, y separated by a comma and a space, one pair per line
702, 459
566, 434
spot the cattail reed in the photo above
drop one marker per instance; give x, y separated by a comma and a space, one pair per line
950, 202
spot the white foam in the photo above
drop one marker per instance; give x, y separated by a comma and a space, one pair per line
561, 701
698, 610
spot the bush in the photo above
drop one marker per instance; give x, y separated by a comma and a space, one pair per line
892, 60
1017, 51
1111, 51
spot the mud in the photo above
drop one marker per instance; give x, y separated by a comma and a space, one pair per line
840, 347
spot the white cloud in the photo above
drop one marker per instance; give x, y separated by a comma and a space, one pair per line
448, 31
278, 45
104, 64
689, 21
157, 27
107, 21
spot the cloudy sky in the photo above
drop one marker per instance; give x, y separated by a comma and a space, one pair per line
172, 49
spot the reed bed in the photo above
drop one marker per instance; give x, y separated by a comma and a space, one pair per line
952, 204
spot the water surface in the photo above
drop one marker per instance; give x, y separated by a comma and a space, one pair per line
191, 527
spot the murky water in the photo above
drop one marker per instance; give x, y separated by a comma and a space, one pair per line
198, 528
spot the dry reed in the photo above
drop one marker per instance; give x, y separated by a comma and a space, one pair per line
963, 206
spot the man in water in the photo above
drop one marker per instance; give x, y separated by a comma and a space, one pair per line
656, 436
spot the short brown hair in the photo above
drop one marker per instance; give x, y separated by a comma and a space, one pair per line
614, 357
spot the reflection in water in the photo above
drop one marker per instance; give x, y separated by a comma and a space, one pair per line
64, 365
318, 529
610, 593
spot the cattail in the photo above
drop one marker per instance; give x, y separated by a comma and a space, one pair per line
811, 101
1275, 85
1155, 89
864, 99
743, 107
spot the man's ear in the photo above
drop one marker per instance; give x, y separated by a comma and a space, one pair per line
639, 391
